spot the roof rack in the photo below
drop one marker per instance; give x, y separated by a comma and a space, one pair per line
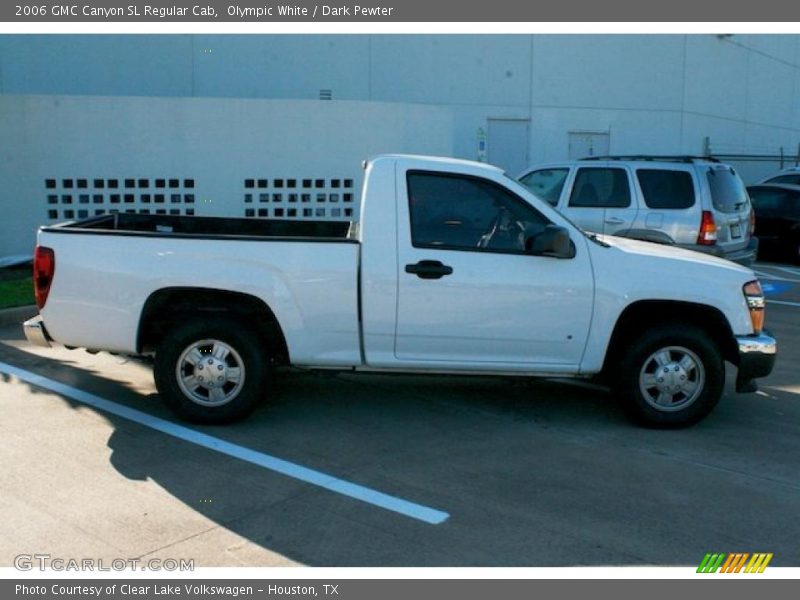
656, 158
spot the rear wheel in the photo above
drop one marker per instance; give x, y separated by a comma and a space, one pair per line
211, 370
670, 376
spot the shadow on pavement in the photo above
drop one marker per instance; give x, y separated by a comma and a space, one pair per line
531, 473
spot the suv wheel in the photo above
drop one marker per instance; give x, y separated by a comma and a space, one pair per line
671, 376
211, 370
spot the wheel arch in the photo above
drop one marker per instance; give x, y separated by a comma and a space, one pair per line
167, 304
643, 313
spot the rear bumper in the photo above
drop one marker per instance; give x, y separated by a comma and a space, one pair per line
745, 256
36, 333
756, 359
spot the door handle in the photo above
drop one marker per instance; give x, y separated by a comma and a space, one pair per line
429, 269
615, 221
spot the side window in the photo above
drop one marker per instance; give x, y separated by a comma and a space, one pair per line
666, 189
600, 188
465, 213
769, 202
790, 179
546, 183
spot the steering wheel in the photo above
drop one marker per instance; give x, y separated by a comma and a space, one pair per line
504, 222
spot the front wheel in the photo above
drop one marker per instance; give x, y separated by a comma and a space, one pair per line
671, 376
211, 370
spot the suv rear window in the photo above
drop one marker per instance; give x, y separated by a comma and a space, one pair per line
666, 188
727, 190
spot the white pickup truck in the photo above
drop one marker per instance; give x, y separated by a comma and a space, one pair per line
453, 268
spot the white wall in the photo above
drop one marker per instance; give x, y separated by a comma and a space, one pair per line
751, 82
216, 142
652, 93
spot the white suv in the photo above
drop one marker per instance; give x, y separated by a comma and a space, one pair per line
697, 203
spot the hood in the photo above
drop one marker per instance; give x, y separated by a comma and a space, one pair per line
663, 251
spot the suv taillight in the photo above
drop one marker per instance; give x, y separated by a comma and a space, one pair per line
752, 222
708, 230
44, 267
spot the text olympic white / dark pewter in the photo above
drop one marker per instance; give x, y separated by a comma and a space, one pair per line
319, 10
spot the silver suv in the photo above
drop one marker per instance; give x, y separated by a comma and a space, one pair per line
693, 202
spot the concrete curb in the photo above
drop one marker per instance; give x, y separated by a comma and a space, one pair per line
16, 315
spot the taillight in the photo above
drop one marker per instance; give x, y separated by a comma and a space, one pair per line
708, 230
752, 222
756, 303
44, 267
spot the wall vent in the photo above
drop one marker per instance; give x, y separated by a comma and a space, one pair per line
60, 192
326, 192
326, 94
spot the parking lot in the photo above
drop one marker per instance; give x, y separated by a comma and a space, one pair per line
394, 470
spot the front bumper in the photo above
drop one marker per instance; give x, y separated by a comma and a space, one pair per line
756, 359
36, 333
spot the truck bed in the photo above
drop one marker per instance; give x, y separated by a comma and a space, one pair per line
306, 272
208, 227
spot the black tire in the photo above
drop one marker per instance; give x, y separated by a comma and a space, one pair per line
639, 380
244, 346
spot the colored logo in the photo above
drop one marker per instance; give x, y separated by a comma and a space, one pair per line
736, 562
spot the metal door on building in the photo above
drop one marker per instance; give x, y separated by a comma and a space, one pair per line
508, 144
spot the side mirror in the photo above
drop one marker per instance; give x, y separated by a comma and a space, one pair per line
553, 241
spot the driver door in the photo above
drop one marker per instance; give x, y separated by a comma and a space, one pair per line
469, 295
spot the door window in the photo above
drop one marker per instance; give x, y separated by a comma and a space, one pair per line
468, 213
600, 188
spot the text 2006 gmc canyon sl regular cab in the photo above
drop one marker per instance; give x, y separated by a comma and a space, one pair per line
453, 268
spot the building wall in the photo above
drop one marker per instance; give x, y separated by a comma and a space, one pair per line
427, 93
636, 86
211, 146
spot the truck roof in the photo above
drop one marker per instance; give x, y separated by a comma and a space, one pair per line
439, 160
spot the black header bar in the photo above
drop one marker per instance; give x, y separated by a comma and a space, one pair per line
372, 11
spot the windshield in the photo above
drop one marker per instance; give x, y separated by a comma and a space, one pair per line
546, 183
727, 190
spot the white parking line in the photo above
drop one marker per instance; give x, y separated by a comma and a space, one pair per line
774, 277
790, 270
784, 302
272, 463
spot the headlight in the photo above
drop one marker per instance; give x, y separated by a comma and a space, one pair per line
756, 303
